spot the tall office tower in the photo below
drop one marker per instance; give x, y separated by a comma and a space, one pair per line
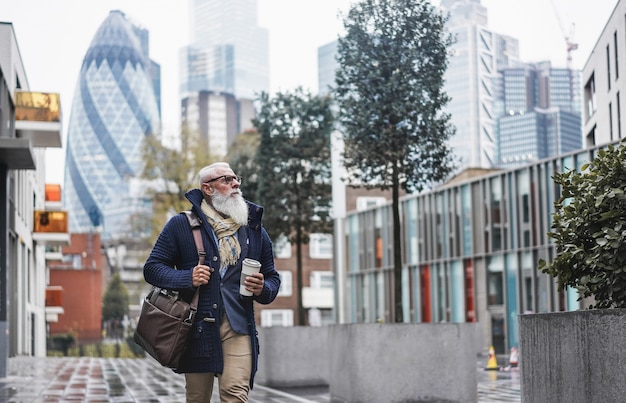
228, 55
228, 50
326, 66
115, 107
474, 62
539, 113
212, 117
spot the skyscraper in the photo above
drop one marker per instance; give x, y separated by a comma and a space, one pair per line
115, 106
228, 56
538, 112
474, 62
326, 67
228, 50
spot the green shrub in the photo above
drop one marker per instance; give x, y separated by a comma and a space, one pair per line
589, 229
136, 350
61, 342
129, 349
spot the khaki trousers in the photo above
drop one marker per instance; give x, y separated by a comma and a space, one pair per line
234, 382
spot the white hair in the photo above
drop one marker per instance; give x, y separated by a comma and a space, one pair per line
209, 171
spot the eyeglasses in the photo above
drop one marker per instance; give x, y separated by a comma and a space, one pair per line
227, 179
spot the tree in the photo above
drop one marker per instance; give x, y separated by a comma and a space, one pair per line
115, 305
294, 169
241, 157
172, 172
589, 229
389, 91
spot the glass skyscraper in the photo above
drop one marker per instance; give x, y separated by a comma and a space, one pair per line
115, 106
223, 70
474, 62
539, 114
228, 51
326, 66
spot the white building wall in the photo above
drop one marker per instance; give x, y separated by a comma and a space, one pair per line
604, 85
27, 279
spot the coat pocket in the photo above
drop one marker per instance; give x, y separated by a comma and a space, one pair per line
204, 339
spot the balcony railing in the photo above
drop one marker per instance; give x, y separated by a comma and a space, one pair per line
51, 228
38, 118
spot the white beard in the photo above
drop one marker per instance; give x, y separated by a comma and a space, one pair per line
232, 205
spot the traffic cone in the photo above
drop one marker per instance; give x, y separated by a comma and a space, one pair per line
492, 362
513, 358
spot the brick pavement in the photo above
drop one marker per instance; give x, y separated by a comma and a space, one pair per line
92, 380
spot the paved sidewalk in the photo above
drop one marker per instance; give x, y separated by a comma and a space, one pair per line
91, 380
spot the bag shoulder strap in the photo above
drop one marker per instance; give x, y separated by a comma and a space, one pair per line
195, 223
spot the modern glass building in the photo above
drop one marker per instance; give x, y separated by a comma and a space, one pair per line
115, 105
326, 67
222, 71
470, 251
539, 113
228, 51
475, 58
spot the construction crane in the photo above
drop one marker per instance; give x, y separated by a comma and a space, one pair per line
568, 35
571, 46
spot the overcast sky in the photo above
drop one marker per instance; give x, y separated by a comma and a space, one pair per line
53, 36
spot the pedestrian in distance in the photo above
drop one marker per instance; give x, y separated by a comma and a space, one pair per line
223, 343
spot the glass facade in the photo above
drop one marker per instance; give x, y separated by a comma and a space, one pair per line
475, 58
115, 106
326, 66
228, 53
470, 253
538, 113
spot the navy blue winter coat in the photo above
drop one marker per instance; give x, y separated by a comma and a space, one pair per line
175, 249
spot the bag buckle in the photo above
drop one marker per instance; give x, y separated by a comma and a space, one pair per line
192, 315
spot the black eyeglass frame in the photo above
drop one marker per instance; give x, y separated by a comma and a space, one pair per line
227, 179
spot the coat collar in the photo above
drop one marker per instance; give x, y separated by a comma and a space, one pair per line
255, 212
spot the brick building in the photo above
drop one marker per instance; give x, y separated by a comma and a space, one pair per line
81, 277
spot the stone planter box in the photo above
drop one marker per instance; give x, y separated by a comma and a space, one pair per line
391, 363
293, 356
395, 363
573, 356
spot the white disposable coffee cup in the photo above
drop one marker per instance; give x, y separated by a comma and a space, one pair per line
248, 268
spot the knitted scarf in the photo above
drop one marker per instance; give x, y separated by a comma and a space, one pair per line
224, 228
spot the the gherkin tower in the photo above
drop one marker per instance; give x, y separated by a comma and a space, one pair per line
115, 105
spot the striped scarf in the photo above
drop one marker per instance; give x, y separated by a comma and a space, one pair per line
224, 228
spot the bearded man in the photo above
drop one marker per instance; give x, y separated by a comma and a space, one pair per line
223, 343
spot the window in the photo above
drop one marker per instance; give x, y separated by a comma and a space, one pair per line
618, 112
75, 260
282, 248
321, 246
590, 97
608, 66
363, 203
286, 284
615, 52
495, 268
322, 279
611, 121
276, 317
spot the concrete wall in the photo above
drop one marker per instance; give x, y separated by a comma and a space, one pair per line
293, 356
374, 362
403, 363
573, 356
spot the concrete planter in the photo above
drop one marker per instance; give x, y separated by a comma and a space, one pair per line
573, 356
403, 363
375, 363
293, 356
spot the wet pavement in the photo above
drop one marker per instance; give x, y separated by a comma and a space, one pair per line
89, 379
